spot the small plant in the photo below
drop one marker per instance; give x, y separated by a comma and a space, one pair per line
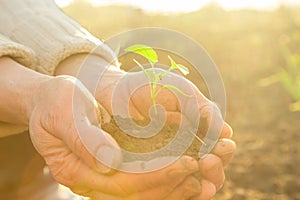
153, 77
289, 77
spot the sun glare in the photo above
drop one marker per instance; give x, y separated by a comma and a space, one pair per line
190, 5
256, 4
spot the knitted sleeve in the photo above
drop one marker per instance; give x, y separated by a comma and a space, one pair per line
18, 52
53, 36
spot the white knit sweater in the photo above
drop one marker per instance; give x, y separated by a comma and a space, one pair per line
37, 34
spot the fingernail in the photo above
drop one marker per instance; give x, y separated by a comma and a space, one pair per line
190, 164
106, 155
227, 153
220, 186
210, 163
193, 188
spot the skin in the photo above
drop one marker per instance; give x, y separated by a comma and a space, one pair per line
211, 167
44, 104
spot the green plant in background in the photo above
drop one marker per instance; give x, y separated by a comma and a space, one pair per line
289, 77
154, 77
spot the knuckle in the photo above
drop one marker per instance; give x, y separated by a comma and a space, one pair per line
64, 170
77, 144
119, 189
210, 162
192, 183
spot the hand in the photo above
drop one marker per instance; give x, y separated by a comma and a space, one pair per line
57, 130
211, 166
133, 86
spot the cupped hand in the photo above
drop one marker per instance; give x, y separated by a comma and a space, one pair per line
134, 86
211, 166
63, 120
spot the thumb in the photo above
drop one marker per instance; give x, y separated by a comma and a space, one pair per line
92, 144
95, 148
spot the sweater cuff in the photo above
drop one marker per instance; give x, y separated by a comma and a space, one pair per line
53, 36
17, 52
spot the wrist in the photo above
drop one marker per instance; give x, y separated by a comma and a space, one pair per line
35, 90
19, 85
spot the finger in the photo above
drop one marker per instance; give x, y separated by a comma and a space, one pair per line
125, 184
171, 175
94, 147
211, 125
142, 102
177, 118
227, 131
95, 195
67, 169
79, 132
225, 150
211, 169
174, 117
189, 188
81, 179
208, 191
210, 115
134, 112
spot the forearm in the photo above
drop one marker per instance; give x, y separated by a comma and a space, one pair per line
18, 85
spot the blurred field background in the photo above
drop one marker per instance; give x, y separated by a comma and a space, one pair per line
258, 55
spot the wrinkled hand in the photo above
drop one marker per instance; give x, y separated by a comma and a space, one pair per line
211, 167
63, 119
133, 86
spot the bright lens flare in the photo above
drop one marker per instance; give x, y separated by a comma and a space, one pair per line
189, 5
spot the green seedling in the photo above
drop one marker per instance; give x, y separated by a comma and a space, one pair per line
289, 77
153, 77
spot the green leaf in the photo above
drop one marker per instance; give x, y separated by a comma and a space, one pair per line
176, 90
270, 79
184, 70
144, 51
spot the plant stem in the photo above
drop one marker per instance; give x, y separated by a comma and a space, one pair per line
154, 104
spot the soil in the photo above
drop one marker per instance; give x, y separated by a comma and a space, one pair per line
266, 163
164, 137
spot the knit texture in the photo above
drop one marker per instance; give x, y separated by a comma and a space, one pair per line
53, 36
38, 35
18, 52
